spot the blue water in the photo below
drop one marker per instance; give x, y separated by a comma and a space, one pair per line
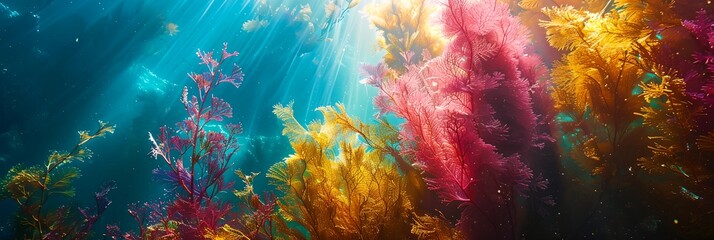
64, 64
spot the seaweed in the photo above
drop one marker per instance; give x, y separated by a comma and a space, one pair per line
196, 158
336, 185
470, 118
628, 107
36, 188
678, 114
405, 32
258, 219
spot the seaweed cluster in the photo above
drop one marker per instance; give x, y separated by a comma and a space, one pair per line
469, 118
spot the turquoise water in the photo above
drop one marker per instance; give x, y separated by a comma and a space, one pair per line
67, 64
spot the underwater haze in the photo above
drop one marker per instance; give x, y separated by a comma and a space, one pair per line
357, 119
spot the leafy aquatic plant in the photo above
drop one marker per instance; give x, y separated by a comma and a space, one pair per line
196, 155
405, 32
469, 116
431, 227
33, 187
529, 11
337, 186
678, 111
700, 77
628, 102
382, 138
258, 220
595, 83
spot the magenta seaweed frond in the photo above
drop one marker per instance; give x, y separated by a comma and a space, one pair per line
196, 158
471, 114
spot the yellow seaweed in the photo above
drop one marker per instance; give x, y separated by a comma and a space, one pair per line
405, 32
335, 186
